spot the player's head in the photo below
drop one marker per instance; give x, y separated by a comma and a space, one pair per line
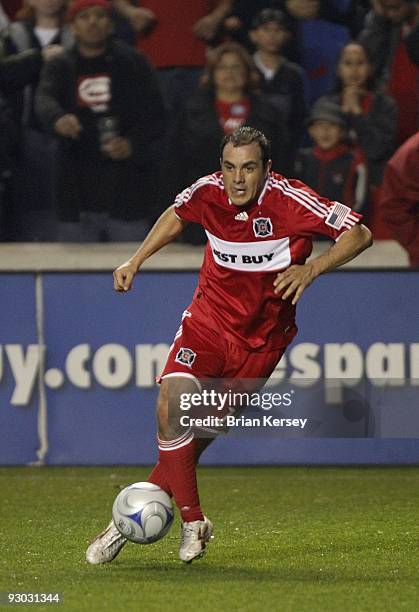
245, 164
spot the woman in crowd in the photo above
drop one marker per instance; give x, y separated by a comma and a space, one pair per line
228, 98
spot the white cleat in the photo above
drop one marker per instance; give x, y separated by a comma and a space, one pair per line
106, 546
194, 537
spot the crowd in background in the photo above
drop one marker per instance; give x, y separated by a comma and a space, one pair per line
109, 109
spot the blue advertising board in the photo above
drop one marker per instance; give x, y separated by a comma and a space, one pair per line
86, 363
18, 358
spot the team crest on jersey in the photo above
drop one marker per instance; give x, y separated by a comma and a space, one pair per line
262, 227
185, 356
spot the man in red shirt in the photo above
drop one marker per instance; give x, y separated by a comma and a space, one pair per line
259, 226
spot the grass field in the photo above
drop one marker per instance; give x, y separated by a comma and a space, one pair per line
287, 539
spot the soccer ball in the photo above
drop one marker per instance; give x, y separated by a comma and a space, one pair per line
143, 513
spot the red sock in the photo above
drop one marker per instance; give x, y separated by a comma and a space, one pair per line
177, 457
159, 477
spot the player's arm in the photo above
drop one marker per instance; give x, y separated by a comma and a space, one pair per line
296, 278
166, 229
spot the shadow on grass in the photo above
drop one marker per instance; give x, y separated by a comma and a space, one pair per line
173, 572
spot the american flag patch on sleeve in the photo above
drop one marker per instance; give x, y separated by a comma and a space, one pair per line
337, 215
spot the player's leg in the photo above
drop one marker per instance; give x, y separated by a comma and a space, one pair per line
178, 450
174, 472
176, 447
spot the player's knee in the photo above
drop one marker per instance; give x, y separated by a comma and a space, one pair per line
169, 412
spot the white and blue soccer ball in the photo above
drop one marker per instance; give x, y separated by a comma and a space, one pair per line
143, 513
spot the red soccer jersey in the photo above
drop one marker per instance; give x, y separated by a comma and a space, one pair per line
247, 247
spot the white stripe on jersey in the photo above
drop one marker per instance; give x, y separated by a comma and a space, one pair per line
185, 195
309, 201
302, 197
262, 256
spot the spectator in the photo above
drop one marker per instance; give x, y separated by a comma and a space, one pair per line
15, 73
387, 27
282, 82
41, 34
370, 114
400, 197
332, 165
102, 100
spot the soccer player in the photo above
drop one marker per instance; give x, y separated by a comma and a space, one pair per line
242, 317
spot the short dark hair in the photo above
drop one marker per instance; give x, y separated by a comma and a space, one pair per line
270, 15
247, 135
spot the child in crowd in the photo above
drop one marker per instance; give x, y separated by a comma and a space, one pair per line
282, 81
332, 167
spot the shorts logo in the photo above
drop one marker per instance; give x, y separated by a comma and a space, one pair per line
262, 227
185, 356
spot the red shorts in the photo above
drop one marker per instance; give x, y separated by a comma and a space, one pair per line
199, 351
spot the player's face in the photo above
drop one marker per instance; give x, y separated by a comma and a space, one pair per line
325, 134
354, 68
92, 26
243, 173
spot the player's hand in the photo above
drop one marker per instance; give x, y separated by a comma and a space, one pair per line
123, 277
117, 148
293, 281
68, 126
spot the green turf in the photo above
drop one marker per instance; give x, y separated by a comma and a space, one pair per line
287, 539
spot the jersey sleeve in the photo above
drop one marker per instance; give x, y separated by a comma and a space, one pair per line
189, 203
310, 214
